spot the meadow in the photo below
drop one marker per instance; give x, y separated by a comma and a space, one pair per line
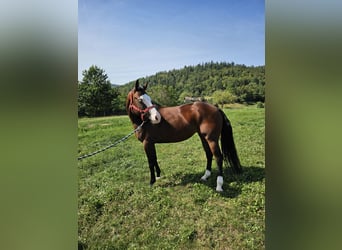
117, 208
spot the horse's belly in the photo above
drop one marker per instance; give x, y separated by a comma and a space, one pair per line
175, 135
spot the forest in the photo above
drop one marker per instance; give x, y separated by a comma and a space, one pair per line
215, 82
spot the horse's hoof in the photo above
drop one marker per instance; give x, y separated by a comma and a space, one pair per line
158, 177
206, 175
219, 184
203, 178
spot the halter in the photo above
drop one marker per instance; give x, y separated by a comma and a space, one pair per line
141, 111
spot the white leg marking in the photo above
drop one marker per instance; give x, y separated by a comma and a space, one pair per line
206, 175
219, 184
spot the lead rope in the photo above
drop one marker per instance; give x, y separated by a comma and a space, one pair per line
113, 144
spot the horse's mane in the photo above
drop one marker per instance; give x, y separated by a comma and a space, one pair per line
158, 105
134, 119
128, 99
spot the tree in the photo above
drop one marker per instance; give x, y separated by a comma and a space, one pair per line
250, 93
163, 94
183, 95
223, 97
95, 93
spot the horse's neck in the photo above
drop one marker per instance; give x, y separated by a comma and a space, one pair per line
136, 120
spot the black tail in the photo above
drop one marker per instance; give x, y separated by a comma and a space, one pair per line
228, 146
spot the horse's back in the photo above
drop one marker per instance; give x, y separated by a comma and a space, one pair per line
205, 108
190, 112
197, 115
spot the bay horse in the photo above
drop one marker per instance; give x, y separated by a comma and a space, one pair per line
175, 124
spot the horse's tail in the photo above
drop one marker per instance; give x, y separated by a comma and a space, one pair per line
228, 146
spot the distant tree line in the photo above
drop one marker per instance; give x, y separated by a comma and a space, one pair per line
218, 83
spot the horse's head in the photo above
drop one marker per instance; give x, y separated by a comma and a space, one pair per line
139, 102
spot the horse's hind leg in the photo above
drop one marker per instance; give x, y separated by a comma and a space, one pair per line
215, 149
209, 158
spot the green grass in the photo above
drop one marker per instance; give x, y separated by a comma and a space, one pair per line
117, 209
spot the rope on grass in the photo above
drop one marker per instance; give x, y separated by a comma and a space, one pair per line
113, 144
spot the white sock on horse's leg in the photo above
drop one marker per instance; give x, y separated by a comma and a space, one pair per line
206, 175
219, 184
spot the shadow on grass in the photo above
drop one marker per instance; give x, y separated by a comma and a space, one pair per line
249, 174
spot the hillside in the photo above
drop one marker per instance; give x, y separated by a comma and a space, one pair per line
247, 83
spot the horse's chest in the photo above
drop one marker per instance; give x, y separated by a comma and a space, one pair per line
140, 135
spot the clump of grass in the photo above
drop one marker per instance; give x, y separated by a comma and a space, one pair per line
260, 105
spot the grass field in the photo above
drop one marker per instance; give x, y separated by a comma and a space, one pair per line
117, 209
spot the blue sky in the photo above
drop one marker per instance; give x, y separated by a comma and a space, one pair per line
130, 39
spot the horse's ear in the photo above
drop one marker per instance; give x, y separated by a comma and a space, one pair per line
137, 85
145, 86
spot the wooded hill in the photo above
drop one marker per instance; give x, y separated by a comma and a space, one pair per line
217, 83
209, 81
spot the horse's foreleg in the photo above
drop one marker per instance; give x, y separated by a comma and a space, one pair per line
157, 169
151, 154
